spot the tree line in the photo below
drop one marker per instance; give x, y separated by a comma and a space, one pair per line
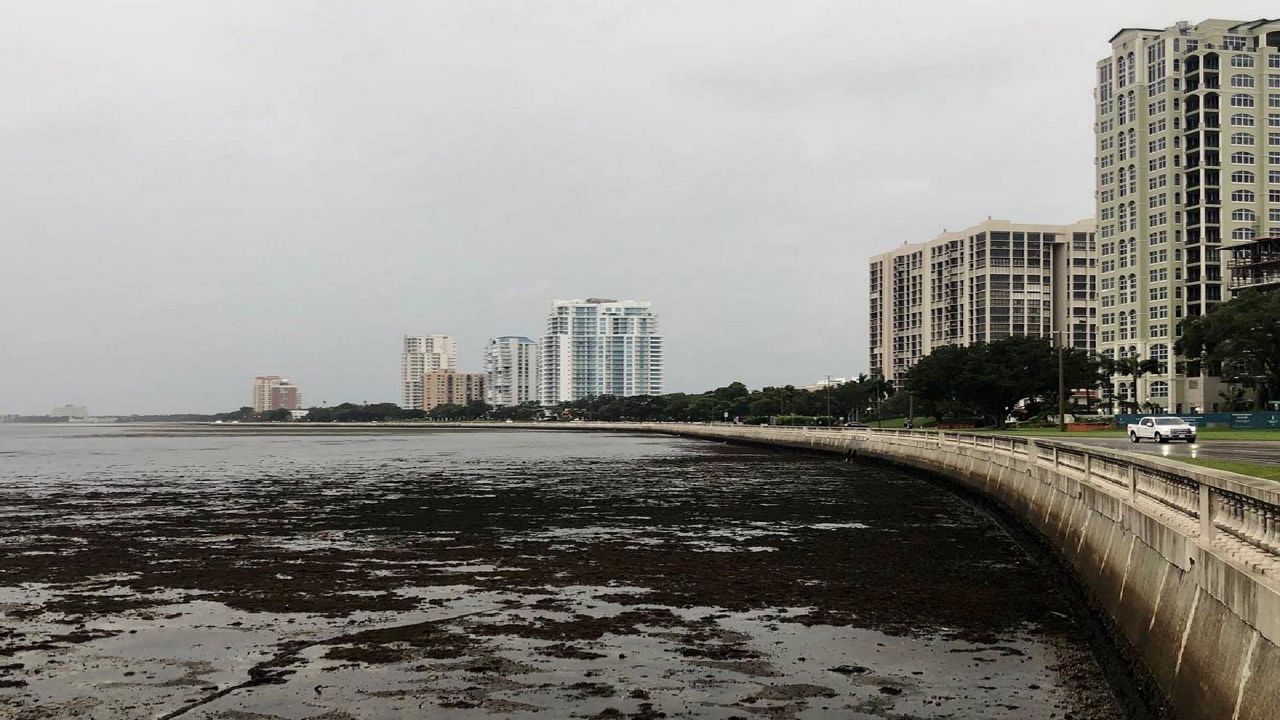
733, 401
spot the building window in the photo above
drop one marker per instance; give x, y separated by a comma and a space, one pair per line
1241, 139
1241, 61
1242, 158
1242, 120
1244, 215
1160, 388
1243, 177
1242, 233
1243, 196
1242, 100
1240, 80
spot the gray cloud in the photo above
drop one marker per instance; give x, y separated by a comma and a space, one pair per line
195, 193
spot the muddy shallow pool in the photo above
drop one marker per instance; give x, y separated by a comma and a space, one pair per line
157, 572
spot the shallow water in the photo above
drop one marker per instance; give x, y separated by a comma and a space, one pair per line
254, 574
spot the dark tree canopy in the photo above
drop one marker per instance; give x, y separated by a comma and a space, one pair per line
1242, 337
991, 378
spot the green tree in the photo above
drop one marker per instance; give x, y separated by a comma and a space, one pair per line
1243, 333
940, 381
992, 378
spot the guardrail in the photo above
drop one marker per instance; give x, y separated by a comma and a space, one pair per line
1245, 508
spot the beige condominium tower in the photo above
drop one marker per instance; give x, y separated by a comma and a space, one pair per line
1187, 134
983, 283
423, 354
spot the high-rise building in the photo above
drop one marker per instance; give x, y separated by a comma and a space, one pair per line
272, 392
987, 282
446, 387
1187, 148
511, 362
600, 347
423, 354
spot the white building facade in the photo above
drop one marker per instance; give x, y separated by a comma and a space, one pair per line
600, 347
1187, 130
511, 363
423, 354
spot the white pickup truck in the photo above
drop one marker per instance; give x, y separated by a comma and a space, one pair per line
1162, 429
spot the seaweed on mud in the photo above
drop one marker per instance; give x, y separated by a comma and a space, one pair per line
674, 538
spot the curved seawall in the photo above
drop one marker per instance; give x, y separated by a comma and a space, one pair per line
1185, 561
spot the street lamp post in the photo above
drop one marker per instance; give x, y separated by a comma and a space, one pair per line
828, 401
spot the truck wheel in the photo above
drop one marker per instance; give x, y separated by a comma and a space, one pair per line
1190, 440
1133, 436
1159, 437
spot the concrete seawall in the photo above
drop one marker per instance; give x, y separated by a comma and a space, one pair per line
1186, 562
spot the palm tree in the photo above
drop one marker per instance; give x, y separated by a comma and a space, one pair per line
1134, 367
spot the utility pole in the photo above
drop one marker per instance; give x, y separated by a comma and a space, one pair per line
1062, 383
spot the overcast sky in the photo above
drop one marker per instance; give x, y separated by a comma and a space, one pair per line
194, 193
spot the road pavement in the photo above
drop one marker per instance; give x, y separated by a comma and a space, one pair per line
1253, 451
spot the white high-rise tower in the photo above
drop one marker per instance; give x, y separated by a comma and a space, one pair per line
600, 347
511, 363
1188, 165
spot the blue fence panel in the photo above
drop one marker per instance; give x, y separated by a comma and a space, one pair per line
1231, 420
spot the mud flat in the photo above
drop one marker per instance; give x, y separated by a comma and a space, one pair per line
194, 574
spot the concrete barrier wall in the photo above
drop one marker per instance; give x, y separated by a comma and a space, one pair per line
1184, 561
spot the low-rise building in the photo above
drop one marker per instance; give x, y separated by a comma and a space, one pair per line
447, 387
